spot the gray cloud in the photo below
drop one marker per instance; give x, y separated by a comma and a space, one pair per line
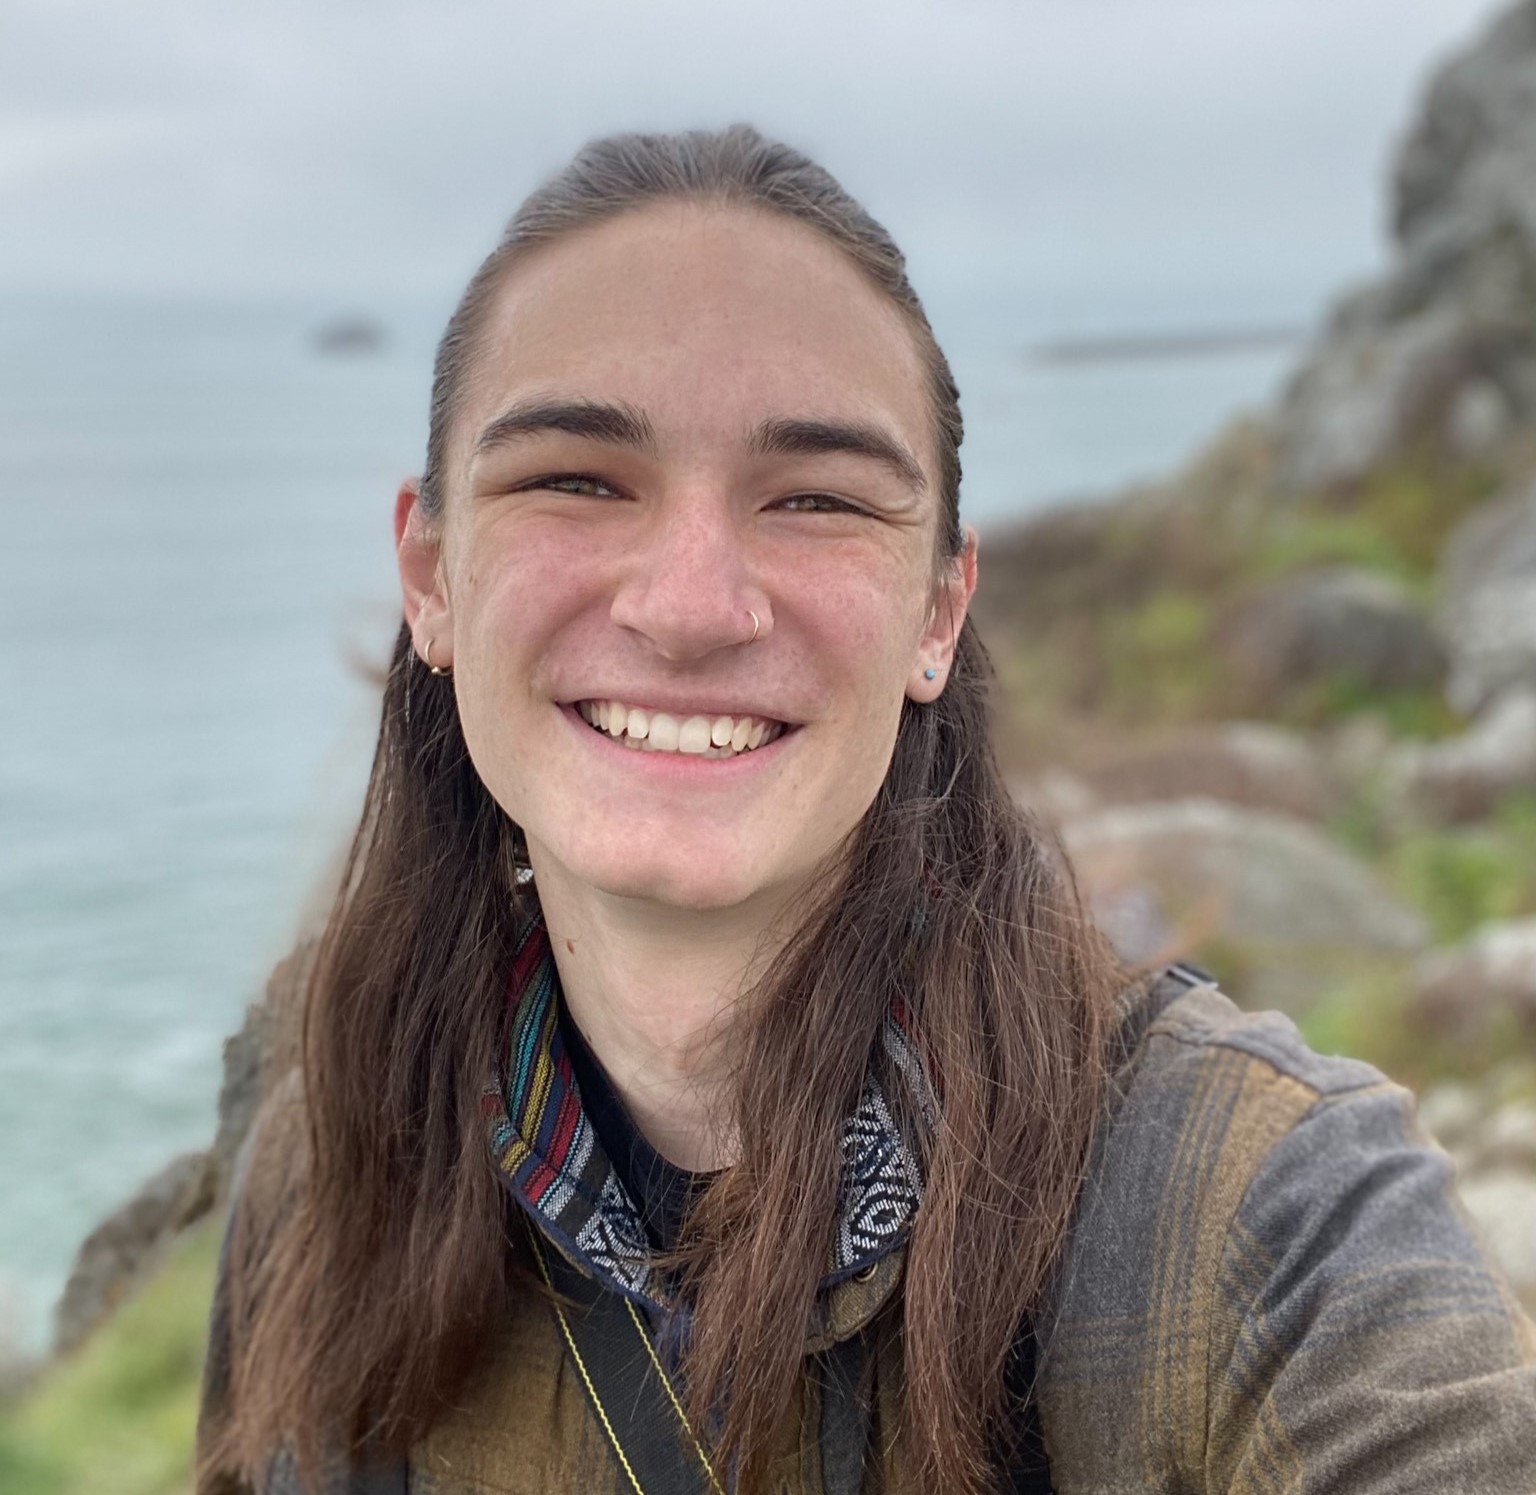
1225, 148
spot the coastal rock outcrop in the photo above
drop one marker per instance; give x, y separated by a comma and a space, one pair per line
1442, 350
115, 1255
132, 1241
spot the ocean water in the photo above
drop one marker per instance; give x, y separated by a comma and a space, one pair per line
196, 561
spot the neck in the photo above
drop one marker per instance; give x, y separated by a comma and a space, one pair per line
656, 992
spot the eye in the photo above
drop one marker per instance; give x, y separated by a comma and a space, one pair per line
818, 503
578, 484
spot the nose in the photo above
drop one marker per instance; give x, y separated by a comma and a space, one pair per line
689, 588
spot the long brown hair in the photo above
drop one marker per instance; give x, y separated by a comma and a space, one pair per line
367, 1304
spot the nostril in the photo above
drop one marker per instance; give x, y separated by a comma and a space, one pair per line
687, 622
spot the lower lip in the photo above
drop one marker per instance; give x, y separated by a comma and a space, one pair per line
694, 767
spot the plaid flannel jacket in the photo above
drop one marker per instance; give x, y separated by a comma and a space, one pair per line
1269, 1289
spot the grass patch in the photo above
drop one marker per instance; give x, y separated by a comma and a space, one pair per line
1416, 506
1416, 712
1464, 878
1304, 541
1395, 523
120, 1414
1361, 1016
1364, 1015
1158, 660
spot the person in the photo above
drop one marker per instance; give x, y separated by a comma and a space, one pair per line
709, 1078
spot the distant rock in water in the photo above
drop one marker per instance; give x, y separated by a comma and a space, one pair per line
349, 337
1442, 350
1132, 346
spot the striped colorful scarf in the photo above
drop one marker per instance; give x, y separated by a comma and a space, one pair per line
549, 1153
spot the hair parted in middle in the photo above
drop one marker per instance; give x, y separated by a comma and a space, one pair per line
373, 1293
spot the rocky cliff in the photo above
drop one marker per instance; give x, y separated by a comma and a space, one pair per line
1441, 352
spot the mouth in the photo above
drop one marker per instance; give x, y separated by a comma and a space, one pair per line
649, 731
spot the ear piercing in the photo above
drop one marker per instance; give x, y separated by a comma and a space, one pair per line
930, 674
436, 669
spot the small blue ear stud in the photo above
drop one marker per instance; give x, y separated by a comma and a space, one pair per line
930, 674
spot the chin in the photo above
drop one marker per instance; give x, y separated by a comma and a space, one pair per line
691, 885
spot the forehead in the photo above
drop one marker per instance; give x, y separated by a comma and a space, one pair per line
709, 319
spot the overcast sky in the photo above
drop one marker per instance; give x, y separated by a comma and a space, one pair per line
1210, 159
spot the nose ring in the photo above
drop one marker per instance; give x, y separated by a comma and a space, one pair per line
756, 626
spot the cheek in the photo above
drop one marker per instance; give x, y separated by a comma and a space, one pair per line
514, 590
870, 620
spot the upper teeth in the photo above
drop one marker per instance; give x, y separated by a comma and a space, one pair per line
659, 732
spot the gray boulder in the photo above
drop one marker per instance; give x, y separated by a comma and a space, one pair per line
1464, 777
1055, 795
1245, 763
1356, 748
1291, 901
1338, 621
1451, 1113
1480, 1132
1509, 1138
1487, 613
1493, 1145
1443, 348
1463, 989
1502, 1204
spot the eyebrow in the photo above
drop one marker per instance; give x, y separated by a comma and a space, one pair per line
614, 422
621, 424
806, 437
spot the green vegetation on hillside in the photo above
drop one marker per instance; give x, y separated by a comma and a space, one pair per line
1120, 619
118, 1417
1396, 523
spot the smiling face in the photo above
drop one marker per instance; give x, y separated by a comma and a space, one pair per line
685, 426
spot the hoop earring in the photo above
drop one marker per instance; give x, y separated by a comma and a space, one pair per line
436, 669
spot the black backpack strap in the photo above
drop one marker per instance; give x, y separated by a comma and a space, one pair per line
633, 1398
1146, 1001
847, 1405
1028, 1469
392, 1477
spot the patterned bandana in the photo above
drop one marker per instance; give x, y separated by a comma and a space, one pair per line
549, 1153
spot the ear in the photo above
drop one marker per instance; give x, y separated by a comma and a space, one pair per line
418, 551
936, 648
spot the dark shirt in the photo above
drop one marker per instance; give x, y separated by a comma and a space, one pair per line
661, 1191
